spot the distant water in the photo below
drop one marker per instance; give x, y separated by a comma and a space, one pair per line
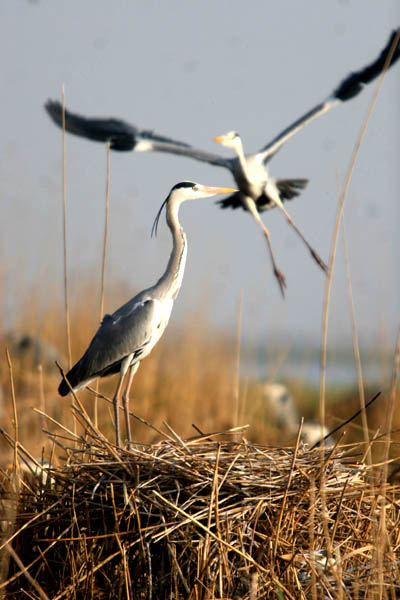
339, 372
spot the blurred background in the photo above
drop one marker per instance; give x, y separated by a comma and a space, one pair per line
192, 71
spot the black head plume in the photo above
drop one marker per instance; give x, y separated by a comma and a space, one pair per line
155, 224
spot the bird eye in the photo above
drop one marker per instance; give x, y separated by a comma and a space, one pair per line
195, 188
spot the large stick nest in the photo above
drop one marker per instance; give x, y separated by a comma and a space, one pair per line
202, 519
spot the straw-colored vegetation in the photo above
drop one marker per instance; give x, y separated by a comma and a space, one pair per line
202, 518
216, 517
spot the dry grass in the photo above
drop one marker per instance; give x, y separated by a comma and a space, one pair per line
208, 517
190, 378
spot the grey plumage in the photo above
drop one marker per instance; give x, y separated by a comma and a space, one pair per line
128, 331
124, 136
131, 332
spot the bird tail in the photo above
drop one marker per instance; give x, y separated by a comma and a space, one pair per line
77, 376
290, 188
232, 201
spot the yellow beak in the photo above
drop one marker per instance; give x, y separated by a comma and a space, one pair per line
218, 190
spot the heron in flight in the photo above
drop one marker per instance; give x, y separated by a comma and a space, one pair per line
258, 191
131, 332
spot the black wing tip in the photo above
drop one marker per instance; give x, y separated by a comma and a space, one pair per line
355, 82
53, 109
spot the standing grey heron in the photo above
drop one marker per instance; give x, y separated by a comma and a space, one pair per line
257, 190
131, 332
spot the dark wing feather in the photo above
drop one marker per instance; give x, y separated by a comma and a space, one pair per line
127, 331
124, 137
121, 135
232, 201
354, 83
290, 188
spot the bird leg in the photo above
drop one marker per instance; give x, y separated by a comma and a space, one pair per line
124, 367
116, 408
251, 206
314, 254
125, 400
278, 274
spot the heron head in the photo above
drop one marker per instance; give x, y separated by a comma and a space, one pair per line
189, 190
230, 139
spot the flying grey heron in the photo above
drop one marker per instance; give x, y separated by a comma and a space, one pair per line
131, 332
257, 190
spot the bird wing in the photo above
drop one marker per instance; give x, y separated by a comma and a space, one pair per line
347, 89
130, 330
235, 200
288, 189
124, 137
121, 135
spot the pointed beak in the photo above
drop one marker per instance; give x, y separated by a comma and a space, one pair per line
220, 139
212, 191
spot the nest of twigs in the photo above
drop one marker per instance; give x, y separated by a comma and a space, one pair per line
210, 517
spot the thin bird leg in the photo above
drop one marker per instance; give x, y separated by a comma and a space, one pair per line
123, 370
251, 206
116, 409
125, 401
314, 254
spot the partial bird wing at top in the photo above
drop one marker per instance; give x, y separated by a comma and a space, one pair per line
126, 137
350, 87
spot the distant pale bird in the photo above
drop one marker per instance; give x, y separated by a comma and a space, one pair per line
131, 332
283, 412
258, 191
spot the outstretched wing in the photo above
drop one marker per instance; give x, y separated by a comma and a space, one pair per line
124, 137
350, 87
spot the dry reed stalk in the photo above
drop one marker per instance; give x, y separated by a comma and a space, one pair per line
335, 234
25, 572
236, 380
103, 265
384, 548
356, 348
205, 517
15, 422
64, 228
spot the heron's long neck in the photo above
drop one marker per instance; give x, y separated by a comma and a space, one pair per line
171, 281
241, 157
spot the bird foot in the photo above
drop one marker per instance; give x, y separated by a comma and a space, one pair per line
281, 281
319, 261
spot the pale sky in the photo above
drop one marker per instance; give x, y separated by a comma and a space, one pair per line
192, 70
